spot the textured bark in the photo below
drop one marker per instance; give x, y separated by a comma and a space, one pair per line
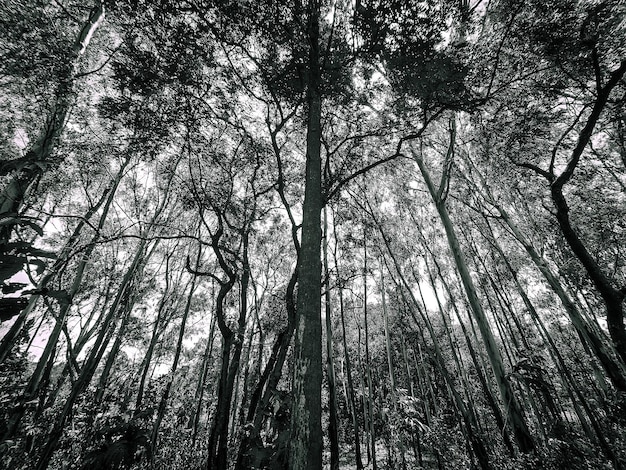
305, 451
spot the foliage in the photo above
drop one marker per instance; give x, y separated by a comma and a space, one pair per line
164, 231
122, 446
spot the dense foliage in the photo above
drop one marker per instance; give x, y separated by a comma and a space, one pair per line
320, 234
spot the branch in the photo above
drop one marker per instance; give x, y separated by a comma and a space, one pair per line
396, 154
195, 272
84, 74
540, 171
562, 138
357, 173
585, 134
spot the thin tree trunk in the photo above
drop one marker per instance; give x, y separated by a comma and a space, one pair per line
161, 314
206, 357
330, 357
613, 368
61, 261
467, 412
104, 335
177, 352
368, 368
39, 155
392, 373
352, 401
513, 409
92, 361
108, 366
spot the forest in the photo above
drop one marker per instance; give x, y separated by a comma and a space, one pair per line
312, 234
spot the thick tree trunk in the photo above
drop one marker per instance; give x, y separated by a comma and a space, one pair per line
305, 450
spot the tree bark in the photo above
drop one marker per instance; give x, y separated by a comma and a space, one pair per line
512, 407
330, 357
305, 450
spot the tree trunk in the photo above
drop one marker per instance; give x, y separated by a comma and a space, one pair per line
65, 301
352, 401
177, 352
268, 381
305, 450
613, 368
13, 194
613, 297
204, 369
92, 361
62, 258
231, 341
332, 389
467, 412
160, 324
513, 409
368, 368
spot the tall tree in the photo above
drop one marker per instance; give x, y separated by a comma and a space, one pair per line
305, 451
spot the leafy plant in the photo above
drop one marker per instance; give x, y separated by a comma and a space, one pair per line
123, 446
